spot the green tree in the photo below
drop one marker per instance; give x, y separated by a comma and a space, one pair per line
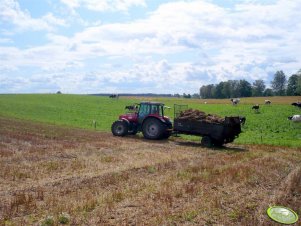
278, 83
186, 95
245, 88
298, 89
226, 90
204, 92
292, 85
218, 90
234, 88
258, 88
268, 92
212, 91
195, 96
207, 91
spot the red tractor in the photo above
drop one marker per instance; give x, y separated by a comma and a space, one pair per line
147, 118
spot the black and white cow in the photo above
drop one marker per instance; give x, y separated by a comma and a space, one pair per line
132, 107
256, 108
297, 104
114, 96
295, 118
242, 120
235, 101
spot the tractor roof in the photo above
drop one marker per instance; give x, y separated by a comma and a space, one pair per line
151, 103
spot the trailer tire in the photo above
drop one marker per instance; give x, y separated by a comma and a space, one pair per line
218, 143
119, 128
153, 129
207, 142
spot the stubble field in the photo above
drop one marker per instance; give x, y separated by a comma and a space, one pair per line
97, 179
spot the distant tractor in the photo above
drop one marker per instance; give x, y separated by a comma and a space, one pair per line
148, 118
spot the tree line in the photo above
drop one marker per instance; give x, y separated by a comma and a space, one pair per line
280, 86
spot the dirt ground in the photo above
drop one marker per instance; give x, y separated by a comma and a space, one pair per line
97, 179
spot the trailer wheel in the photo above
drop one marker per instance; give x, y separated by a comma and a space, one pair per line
153, 129
207, 142
218, 143
119, 128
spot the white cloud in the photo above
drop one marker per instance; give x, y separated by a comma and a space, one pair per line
11, 12
104, 5
71, 3
5, 40
52, 20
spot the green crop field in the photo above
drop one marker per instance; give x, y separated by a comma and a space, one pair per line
269, 126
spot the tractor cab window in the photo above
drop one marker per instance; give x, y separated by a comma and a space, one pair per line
144, 109
156, 109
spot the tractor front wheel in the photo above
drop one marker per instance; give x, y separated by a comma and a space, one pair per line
153, 129
119, 128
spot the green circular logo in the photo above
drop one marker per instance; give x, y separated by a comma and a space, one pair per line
282, 214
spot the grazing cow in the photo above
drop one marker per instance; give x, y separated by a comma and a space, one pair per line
114, 96
242, 120
297, 104
295, 118
235, 101
268, 102
205, 102
132, 107
256, 108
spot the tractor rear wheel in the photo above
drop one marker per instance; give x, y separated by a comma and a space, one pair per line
153, 129
168, 131
119, 128
166, 135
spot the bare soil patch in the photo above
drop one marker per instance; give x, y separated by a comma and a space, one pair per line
98, 179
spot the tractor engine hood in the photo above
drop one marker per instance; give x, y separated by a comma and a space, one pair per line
131, 117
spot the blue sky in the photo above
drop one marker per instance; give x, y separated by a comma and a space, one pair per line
142, 46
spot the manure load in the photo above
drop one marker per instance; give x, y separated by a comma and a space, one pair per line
197, 115
214, 130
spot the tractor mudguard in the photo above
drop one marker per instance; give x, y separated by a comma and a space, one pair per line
125, 120
160, 119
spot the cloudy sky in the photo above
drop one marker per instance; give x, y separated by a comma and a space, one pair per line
139, 46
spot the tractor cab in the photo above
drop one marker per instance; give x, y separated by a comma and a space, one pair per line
139, 112
148, 119
150, 109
